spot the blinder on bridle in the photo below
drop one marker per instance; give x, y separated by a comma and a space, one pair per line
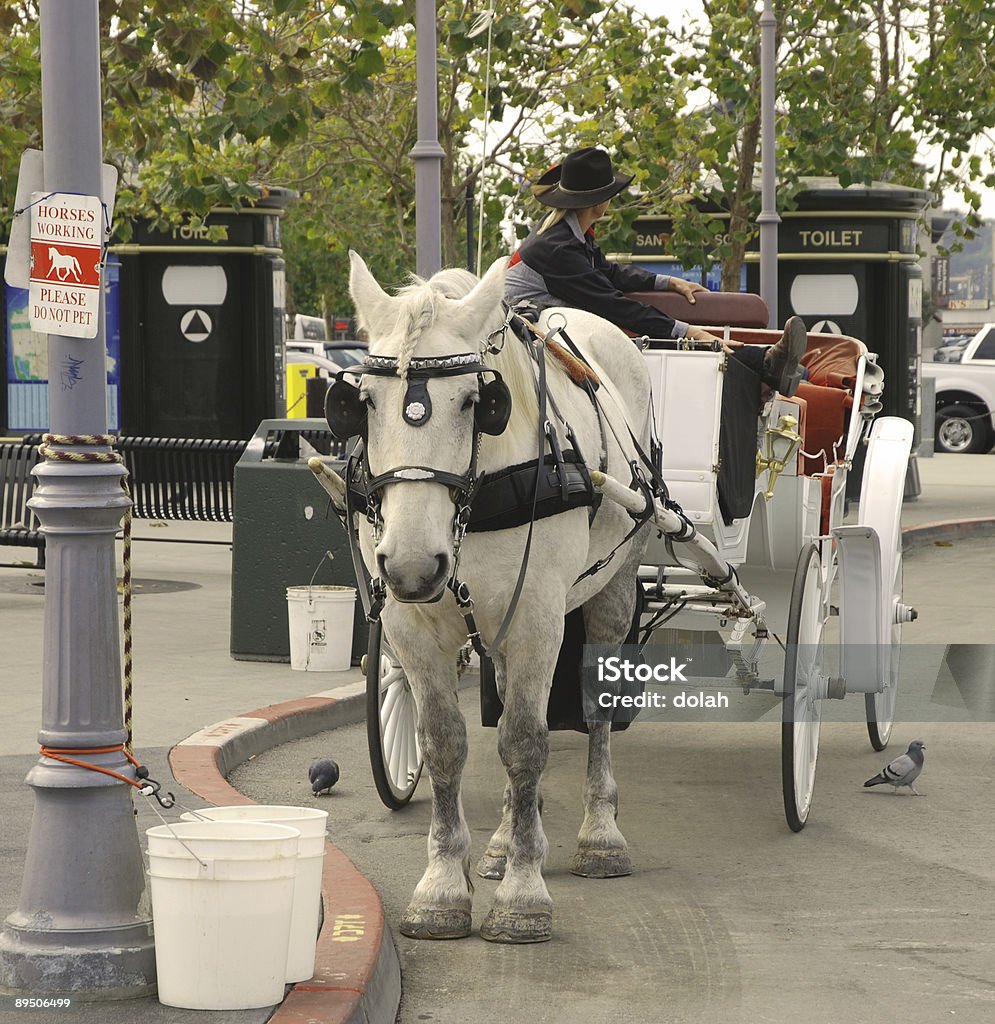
345, 411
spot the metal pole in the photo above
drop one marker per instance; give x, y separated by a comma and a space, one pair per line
768, 219
79, 928
427, 152
470, 247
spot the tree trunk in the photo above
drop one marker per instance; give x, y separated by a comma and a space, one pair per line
739, 206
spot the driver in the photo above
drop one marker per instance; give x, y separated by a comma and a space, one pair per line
560, 264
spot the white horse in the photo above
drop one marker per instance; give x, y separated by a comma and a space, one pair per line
413, 554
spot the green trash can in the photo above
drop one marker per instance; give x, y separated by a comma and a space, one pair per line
283, 526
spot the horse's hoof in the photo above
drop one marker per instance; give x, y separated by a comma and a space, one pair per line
518, 926
492, 865
601, 864
435, 924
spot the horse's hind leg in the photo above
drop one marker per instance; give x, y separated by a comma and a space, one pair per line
602, 851
440, 905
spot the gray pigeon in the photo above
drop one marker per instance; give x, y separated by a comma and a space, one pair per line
904, 770
324, 773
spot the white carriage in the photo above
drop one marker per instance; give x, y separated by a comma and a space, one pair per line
847, 579
848, 567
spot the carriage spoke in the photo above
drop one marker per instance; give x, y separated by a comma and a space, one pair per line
391, 725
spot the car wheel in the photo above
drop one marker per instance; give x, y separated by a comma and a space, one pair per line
961, 429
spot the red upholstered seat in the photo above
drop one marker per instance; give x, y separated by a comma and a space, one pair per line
831, 361
714, 309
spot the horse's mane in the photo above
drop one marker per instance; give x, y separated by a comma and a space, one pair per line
421, 304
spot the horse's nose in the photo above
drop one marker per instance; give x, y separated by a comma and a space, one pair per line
414, 576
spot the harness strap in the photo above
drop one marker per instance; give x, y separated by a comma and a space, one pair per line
417, 474
473, 632
354, 550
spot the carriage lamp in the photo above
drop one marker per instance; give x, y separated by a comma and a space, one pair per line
781, 444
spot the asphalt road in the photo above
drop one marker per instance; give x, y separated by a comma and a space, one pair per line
880, 910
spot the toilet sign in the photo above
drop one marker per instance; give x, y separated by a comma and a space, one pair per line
64, 286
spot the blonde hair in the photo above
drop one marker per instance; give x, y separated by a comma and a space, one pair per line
553, 218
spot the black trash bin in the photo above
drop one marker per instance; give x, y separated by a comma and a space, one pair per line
283, 526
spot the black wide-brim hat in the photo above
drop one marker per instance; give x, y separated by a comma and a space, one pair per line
585, 178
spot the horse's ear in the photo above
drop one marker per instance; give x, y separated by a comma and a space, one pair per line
479, 306
371, 301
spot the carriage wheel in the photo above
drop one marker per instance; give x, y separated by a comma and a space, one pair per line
882, 492
801, 707
391, 724
880, 707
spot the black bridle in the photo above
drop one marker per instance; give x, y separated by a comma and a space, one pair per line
345, 411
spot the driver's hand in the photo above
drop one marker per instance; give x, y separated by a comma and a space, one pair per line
686, 288
700, 334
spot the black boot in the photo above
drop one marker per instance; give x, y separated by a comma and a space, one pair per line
782, 367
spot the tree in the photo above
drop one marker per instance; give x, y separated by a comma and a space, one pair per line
893, 90
554, 83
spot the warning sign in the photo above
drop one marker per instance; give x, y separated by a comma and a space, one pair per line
66, 238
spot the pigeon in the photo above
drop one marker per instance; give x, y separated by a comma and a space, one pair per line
324, 773
903, 771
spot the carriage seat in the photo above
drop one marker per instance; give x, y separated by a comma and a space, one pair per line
712, 309
831, 361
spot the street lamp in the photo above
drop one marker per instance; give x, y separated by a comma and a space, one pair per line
80, 927
768, 219
427, 153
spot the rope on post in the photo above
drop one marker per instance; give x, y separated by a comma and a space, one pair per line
53, 454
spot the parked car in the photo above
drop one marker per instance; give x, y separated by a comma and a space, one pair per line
344, 353
965, 397
951, 349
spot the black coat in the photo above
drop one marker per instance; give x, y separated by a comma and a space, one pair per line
576, 273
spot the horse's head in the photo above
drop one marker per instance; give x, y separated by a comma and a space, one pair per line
426, 396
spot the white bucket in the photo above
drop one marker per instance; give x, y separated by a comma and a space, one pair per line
222, 893
320, 627
310, 822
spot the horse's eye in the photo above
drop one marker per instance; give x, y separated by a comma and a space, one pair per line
469, 403
364, 397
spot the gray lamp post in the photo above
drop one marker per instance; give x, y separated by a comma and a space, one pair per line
427, 152
79, 927
768, 219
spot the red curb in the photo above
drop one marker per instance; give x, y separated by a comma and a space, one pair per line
197, 769
277, 712
350, 947
945, 529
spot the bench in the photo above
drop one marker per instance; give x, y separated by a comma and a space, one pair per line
189, 479
18, 525
174, 478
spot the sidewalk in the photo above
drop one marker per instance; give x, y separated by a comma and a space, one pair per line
198, 714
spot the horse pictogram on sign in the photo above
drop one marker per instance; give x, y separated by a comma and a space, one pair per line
66, 239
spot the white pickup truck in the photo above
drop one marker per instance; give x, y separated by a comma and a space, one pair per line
965, 397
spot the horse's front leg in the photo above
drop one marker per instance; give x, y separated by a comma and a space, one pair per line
523, 909
441, 903
495, 858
